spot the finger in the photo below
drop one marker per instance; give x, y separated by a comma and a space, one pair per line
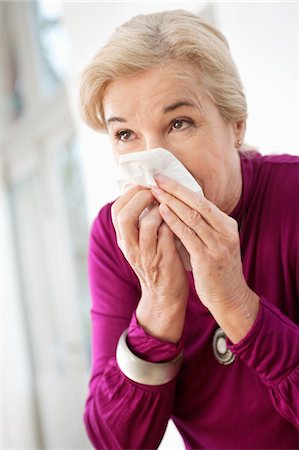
196, 200
186, 235
166, 245
128, 218
148, 231
192, 218
121, 202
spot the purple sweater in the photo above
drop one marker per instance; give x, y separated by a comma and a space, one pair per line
252, 403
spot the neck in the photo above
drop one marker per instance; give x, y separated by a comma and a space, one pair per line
234, 187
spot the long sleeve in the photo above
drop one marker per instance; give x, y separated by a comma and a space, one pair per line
270, 247
251, 403
271, 349
119, 413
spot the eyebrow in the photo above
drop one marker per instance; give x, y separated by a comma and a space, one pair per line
177, 105
115, 119
167, 109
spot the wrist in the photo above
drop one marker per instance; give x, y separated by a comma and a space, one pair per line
148, 347
236, 317
145, 372
163, 322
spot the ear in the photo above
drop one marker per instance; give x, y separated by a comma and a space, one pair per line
239, 129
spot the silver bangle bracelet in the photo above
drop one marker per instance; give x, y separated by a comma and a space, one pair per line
145, 372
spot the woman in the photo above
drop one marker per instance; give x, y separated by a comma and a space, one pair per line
215, 349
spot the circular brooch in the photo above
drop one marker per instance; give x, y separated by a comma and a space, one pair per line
223, 354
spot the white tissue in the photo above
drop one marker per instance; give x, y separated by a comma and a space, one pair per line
139, 168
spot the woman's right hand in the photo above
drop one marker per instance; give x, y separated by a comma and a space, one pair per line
149, 246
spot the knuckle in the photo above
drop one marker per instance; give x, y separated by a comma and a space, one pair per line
233, 238
225, 249
228, 239
136, 188
233, 222
201, 203
131, 257
187, 233
175, 222
146, 195
194, 218
148, 225
164, 230
172, 184
150, 222
123, 219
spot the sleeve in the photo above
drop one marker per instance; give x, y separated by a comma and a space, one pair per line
148, 347
271, 349
119, 413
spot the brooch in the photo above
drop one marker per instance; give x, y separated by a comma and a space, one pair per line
223, 354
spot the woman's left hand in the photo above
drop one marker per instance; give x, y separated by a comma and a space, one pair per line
212, 239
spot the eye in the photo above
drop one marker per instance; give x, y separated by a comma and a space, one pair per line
123, 135
181, 124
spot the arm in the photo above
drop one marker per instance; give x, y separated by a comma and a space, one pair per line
120, 413
260, 334
271, 349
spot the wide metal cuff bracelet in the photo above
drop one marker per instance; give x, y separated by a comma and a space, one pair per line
145, 372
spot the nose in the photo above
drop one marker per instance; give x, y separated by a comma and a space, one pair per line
151, 141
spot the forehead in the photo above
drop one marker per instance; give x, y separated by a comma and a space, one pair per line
153, 89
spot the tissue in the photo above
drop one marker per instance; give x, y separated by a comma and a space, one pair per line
139, 168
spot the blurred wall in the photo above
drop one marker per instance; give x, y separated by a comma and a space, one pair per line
44, 233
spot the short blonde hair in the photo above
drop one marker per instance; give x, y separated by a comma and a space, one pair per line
158, 39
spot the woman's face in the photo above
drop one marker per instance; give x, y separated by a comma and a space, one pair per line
167, 107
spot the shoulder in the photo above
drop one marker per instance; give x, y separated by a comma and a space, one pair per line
103, 247
102, 236
102, 226
104, 215
271, 163
275, 176
281, 173
280, 163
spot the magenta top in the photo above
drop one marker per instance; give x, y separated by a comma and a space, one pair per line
251, 403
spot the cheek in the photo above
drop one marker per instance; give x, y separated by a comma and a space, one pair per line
189, 152
204, 166
122, 148
115, 154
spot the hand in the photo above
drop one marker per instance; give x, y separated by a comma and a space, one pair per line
211, 237
149, 246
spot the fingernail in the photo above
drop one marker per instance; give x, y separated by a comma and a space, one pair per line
157, 191
160, 178
164, 209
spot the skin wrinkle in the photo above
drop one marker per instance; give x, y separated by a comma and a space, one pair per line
178, 74
144, 117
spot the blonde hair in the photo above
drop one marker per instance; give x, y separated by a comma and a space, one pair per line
159, 39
